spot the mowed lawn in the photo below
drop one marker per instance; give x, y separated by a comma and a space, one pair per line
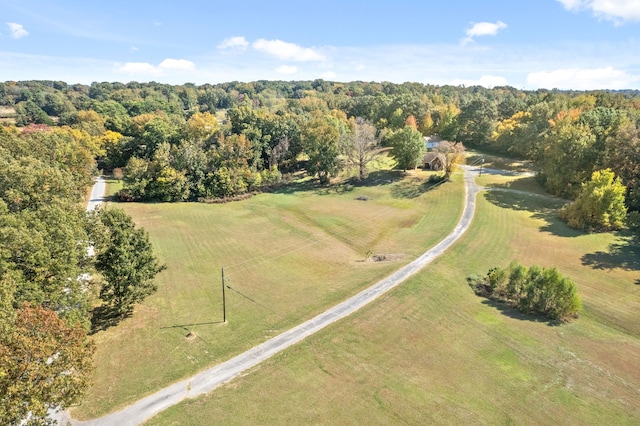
432, 352
288, 256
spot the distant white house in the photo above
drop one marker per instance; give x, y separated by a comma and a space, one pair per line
433, 141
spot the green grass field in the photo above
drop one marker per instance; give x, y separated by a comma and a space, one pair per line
294, 253
432, 352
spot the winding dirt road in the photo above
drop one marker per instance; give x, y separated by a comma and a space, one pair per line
211, 378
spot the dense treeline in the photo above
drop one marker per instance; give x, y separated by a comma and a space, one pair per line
49, 281
188, 142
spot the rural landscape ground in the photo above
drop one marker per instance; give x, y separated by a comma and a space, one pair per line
429, 351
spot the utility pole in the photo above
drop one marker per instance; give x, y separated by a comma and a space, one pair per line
224, 305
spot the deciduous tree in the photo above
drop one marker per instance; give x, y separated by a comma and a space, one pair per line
44, 364
361, 146
124, 256
454, 154
408, 147
201, 126
476, 121
321, 142
600, 205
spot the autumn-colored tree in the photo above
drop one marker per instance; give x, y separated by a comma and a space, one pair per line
600, 205
454, 154
91, 122
44, 364
445, 121
427, 125
510, 132
411, 122
201, 126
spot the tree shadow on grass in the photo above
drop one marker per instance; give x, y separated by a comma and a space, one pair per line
104, 317
411, 189
516, 314
415, 187
624, 254
336, 188
379, 178
301, 185
541, 206
376, 178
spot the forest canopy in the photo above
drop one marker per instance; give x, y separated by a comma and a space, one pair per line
188, 142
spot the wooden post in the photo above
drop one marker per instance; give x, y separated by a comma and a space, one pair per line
224, 305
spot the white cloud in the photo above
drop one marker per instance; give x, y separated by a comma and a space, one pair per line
287, 51
571, 4
177, 64
134, 49
428, 63
287, 69
239, 43
145, 68
582, 79
17, 30
483, 29
617, 11
487, 81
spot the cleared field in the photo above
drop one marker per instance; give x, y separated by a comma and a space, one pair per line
432, 352
498, 162
7, 115
287, 255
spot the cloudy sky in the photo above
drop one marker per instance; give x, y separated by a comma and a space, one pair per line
566, 44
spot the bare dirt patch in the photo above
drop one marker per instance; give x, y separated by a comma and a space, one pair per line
387, 257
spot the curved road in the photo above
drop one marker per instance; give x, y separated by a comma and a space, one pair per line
211, 378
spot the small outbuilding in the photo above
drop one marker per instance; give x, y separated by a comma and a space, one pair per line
434, 161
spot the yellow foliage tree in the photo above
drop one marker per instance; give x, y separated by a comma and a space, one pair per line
201, 126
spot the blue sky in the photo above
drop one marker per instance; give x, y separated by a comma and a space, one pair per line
528, 44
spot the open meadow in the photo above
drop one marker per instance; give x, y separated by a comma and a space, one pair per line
432, 352
287, 255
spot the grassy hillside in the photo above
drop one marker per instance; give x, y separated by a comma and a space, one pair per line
431, 352
288, 255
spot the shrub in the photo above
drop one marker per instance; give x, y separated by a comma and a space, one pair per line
534, 290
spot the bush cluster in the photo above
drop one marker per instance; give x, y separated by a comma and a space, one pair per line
533, 290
